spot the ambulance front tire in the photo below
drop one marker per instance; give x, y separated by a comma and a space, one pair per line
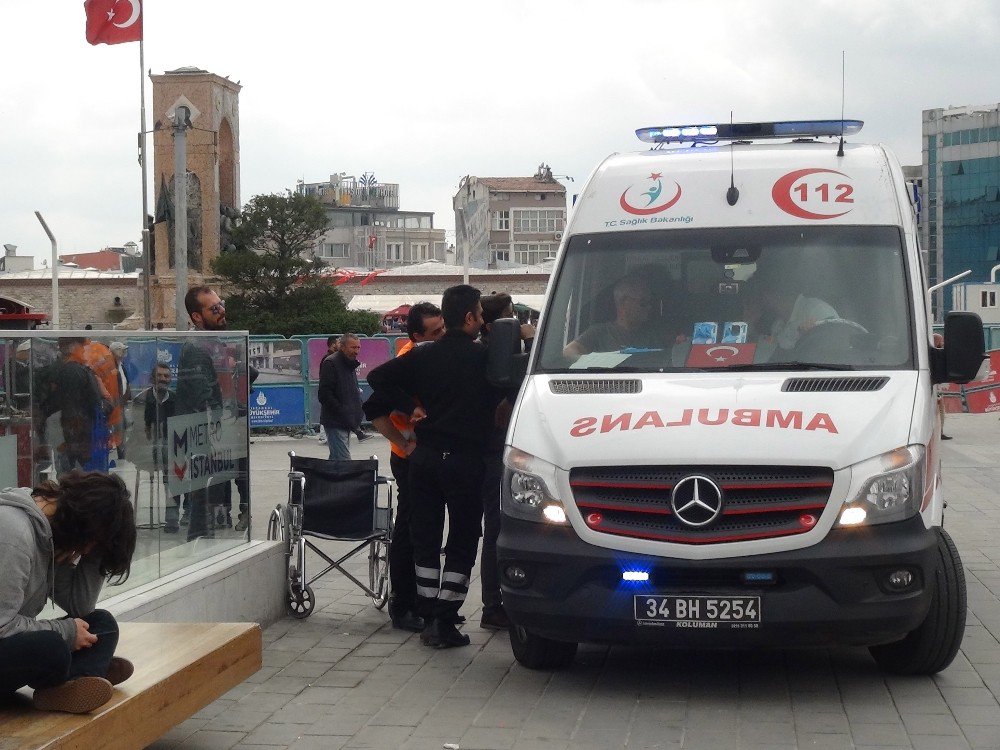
535, 652
932, 646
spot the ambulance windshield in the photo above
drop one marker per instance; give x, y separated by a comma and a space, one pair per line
758, 298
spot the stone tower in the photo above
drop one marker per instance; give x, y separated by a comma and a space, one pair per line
213, 166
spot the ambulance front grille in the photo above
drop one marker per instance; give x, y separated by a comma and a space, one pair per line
586, 386
758, 502
833, 385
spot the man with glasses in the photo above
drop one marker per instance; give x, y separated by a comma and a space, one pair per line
199, 392
633, 307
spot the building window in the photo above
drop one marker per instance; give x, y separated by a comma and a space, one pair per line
537, 222
393, 251
533, 253
989, 299
334, 250
419, 250
500, 255
501, 221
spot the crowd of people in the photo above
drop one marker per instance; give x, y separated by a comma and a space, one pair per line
445, 422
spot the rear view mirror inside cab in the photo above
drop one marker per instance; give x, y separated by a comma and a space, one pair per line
735, 254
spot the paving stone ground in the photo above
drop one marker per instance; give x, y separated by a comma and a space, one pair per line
343, 678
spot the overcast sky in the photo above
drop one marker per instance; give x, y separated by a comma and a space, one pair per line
422, 93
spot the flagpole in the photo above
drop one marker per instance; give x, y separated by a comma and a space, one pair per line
146, 312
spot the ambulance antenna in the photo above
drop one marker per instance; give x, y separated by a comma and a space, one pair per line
843, 77
732, 195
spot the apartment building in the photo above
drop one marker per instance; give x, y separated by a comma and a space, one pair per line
366, 227
503, 222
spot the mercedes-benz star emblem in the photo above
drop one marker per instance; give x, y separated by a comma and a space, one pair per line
696, 500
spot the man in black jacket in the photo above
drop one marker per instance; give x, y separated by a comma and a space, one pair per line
339, 397
453, 421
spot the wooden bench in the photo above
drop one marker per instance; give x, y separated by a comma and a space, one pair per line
179, 669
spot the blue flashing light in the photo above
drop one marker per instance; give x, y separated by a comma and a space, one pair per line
759, 576
635, 576
749, 131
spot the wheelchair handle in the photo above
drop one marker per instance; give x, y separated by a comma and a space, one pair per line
296, 487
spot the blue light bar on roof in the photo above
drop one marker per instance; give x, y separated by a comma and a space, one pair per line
748, 131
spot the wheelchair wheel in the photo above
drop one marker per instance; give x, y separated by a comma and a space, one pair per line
378, 571
300, 602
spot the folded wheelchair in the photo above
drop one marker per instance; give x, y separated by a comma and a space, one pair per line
338, 501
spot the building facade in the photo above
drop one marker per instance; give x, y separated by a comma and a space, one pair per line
502, 222
960, 225
366, 227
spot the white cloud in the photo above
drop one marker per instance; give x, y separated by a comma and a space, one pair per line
423, 93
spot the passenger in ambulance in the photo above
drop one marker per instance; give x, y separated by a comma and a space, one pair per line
791, 313
634, 325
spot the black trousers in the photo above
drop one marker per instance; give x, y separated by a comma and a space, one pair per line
401, 575
489, 571
439, 481
42, 659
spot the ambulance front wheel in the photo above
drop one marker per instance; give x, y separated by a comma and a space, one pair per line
536, 652
932, 646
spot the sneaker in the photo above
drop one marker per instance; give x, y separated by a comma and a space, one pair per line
440, 634
243, 523
79, 696
362, 436
407, 620
171, 528
945, 437
119, 670
321, 437
494, 618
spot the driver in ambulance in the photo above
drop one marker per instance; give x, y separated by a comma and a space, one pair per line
631, 327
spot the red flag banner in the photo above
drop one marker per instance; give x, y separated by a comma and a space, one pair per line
371, 277
113, 21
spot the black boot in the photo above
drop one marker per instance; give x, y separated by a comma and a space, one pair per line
441, 634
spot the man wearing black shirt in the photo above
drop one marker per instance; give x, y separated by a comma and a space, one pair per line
453, 421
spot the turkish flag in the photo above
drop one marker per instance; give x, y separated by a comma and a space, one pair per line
720, 355
113, 21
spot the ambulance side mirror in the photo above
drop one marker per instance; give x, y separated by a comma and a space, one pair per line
963, 352
507, 364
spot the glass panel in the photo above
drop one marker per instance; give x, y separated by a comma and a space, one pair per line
168, 415
771, 297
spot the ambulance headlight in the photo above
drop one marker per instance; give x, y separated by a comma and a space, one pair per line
886, 488
524, 492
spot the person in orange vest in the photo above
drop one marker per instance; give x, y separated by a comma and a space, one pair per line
423, 324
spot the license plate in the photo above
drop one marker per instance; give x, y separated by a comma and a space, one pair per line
724, 611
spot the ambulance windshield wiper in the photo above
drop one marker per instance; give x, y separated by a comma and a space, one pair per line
619, 368
769, 366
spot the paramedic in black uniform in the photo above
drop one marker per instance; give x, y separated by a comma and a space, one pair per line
455, 418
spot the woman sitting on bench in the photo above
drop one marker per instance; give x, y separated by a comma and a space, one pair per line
63, 540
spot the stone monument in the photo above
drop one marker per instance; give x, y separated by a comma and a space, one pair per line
213, 178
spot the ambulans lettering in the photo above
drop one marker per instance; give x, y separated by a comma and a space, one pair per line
767, 418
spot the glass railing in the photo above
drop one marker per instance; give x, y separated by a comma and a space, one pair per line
166, 413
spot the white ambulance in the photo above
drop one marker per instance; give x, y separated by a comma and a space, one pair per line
726, 434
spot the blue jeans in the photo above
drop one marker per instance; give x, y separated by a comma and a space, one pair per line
337, 441
41, 658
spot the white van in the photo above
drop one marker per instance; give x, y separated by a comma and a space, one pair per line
726, 434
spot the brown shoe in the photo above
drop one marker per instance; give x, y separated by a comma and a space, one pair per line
120, 670
78, 696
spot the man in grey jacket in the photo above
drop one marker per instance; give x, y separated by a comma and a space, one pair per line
339, 397
63, 540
